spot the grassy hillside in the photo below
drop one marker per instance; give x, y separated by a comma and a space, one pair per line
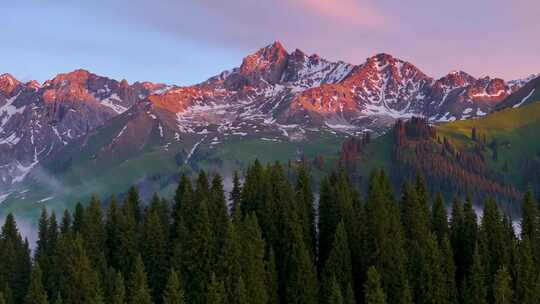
512, 145
92, 166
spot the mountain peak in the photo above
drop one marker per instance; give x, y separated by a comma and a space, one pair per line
267, 64
8, 83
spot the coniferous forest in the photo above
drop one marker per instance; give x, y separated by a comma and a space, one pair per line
269, 242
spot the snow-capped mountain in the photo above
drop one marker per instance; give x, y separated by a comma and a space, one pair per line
273, 92
37, 120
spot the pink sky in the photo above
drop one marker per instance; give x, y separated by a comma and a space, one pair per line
185, 41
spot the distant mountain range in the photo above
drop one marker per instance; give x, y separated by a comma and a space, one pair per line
80, 122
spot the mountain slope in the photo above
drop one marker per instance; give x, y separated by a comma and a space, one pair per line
36, 121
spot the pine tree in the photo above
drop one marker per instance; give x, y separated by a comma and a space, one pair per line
236, 192
79, 282
65, 227
300, 283
219, 218
173, 293
216, 291
58, 300
529, 222
338, 264
384, 246
41, 254
272, 284
118, 294
493, 244
36, 294
133, 204
138, 291
78, 217
334, 293
476, 291
448, 272
154, 253
503, 287
304, 199
194, 245
93, 232
526, 275
15, 263
439, 219
253, 266
374, 294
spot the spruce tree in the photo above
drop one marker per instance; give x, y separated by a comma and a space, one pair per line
94, 234
138, 291
118, 293
439, 218
219, 218
36, 293
272, 284
41, 254
384, 246
132, 204
194, 244
173, 293
374, 294
216, 291
503, 287
78, 217
476, 289
79, 282
526, 274
253, 266
154, 253
304, 199
300, 281
236, 192
334, 292
65, 226
338, 264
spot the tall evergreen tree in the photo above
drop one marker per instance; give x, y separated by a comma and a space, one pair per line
78, 217
384, 246
36, 293
79, 282
253, 266
173, 294
118, 294
236, 192
138, 291
334, 292
503, 287
373, 289
526, 274
65, 226
216, 291
304, 199
439, 218
476, 289
94, 234
338, 264
154, 253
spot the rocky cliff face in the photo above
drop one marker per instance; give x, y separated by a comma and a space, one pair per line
37, 120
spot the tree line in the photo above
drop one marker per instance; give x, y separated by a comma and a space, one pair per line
270, 241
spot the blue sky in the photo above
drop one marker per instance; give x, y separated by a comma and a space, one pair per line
187, 41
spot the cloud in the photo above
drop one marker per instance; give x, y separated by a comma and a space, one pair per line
348, 12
